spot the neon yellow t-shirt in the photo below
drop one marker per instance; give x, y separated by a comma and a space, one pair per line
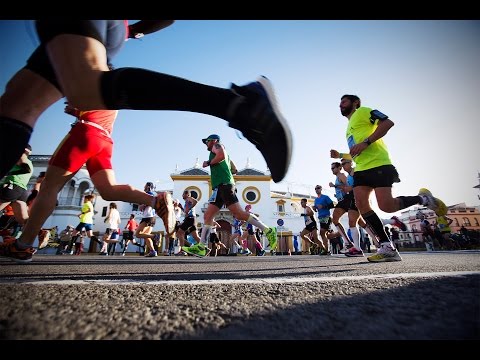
88, 217
359, 128
443, 224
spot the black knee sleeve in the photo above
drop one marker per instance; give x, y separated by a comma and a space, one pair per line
14, 137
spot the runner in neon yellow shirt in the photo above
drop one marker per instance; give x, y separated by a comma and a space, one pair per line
375, 172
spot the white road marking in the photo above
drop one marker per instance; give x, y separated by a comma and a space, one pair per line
286, 280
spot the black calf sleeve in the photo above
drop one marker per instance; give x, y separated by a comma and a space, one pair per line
141, 89
94, 238
407, 201
372, 219
14, 137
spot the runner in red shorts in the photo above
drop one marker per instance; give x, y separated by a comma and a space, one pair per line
88, 142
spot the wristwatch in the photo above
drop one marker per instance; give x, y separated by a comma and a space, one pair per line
367, 141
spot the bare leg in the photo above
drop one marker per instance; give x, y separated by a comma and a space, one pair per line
106, 185
22, 101
44, 204
144, 232
20, 210
317, 241
79, 62
306, 241
323, 235
181, 237
337, 214
386, 202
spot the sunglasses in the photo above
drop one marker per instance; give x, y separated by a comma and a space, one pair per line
318, 188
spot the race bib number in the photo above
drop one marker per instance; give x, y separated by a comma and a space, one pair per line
308, 220
350, 142
213, 197
324, 220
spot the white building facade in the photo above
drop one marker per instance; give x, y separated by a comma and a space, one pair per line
280, 209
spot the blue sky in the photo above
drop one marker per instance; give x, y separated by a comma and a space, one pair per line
423, 74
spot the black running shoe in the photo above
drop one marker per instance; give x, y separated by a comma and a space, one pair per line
257, 116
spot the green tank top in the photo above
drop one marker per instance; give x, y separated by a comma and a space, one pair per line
19, 180
221, 173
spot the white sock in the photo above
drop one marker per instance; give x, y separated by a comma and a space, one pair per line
356, 237
252, 219
206, 230
389, 243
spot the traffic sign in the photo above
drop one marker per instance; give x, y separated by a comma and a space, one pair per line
280, 222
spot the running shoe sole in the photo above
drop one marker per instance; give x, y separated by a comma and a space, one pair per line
43, 235
187, 251
434, 203
164, 209
274, 139
354, 255
268, 88
274, 242
384, 259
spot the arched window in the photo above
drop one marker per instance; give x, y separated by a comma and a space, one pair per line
195, 195
70, 193
251, 195
81, 192
466, 221
195, 192
476, 222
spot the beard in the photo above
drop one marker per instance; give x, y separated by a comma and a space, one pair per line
347, 110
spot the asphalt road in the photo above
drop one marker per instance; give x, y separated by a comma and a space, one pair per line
427, 296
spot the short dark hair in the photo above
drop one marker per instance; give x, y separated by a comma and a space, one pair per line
352, 98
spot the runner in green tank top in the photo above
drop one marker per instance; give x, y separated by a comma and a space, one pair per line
224, 194
13, 187
221, 173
